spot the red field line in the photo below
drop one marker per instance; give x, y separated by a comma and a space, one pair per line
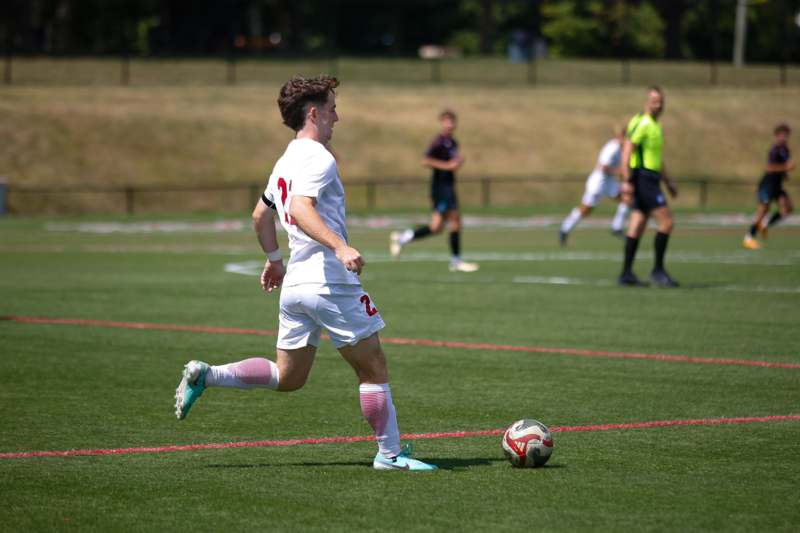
410, 436
417, 342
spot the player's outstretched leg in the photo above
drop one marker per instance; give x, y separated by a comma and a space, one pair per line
749, 240
191, 387
456, 263
398, 239
785, 208
569, 224
659, 275
618, 222
289, 374
637, 225
367, 359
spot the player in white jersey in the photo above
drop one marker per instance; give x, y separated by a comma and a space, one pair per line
601, 182
321, 288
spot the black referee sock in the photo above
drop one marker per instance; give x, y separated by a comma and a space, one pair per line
661, 247
775, 218
422, 231
753, 230
631, 245
455, 243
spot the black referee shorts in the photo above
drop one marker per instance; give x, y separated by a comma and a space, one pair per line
647, 194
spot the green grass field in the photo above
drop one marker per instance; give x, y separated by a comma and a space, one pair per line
69, 387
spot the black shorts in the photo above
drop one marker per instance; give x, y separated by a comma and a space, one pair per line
444, 197
647, 193
770, 191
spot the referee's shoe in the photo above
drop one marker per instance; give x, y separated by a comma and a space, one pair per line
660, 278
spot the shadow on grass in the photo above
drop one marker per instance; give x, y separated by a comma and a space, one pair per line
443, 464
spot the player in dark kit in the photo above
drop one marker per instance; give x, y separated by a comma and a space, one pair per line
770, 189
444, 159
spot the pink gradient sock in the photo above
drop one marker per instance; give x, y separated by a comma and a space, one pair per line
253, 372
378, 409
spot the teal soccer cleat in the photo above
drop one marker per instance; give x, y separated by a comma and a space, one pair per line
191, 387
401, 462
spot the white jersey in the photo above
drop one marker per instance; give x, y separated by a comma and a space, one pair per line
599, 183
307, 168
610, 156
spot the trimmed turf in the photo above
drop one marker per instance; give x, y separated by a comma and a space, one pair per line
70, 387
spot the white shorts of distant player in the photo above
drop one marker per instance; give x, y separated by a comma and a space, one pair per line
347, 312
597, 186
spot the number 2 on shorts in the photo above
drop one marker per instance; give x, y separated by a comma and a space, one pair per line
371, 311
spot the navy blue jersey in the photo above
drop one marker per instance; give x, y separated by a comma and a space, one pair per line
778, 155
442, 149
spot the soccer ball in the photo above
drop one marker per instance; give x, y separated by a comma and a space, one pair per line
527, 443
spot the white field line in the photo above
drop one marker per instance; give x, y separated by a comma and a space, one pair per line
253, 268
390, 222
550, 280
732, 258
789, 258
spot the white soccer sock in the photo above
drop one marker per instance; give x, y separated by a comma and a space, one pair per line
378, 409
406, 237
620, 216
571, 221
247, 374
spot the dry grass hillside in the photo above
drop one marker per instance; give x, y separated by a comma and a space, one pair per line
211, 135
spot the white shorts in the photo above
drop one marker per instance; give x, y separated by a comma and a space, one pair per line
598, 186
346, 311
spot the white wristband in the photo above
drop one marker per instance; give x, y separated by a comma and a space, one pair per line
274, 256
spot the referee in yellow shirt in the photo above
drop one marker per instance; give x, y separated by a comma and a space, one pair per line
643, 171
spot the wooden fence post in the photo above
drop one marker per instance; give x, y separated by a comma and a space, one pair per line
486, 197
125, 71
436, 70
626, 71
333, 66
129, 200
703, 197
3, 195
231, 70
254, 194
371, 195
533, 73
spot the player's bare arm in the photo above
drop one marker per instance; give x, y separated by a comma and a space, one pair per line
781, 167
627, 150
611, 171
264, 225
672, 187
303, 210
451, 166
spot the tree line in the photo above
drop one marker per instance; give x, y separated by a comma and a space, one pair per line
672, 29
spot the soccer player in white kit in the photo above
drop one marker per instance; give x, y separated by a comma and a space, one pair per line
320, 285
601, 182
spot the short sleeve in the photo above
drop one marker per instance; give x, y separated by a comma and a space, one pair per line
639, 132
607, 154
315, 176
268, 198
778, 156
632, 123
433, 149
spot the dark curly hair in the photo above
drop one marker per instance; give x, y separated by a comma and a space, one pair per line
298, 92
782, 128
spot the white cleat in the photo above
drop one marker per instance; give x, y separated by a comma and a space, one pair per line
190, 388
402, 462
394, 244
463, 266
